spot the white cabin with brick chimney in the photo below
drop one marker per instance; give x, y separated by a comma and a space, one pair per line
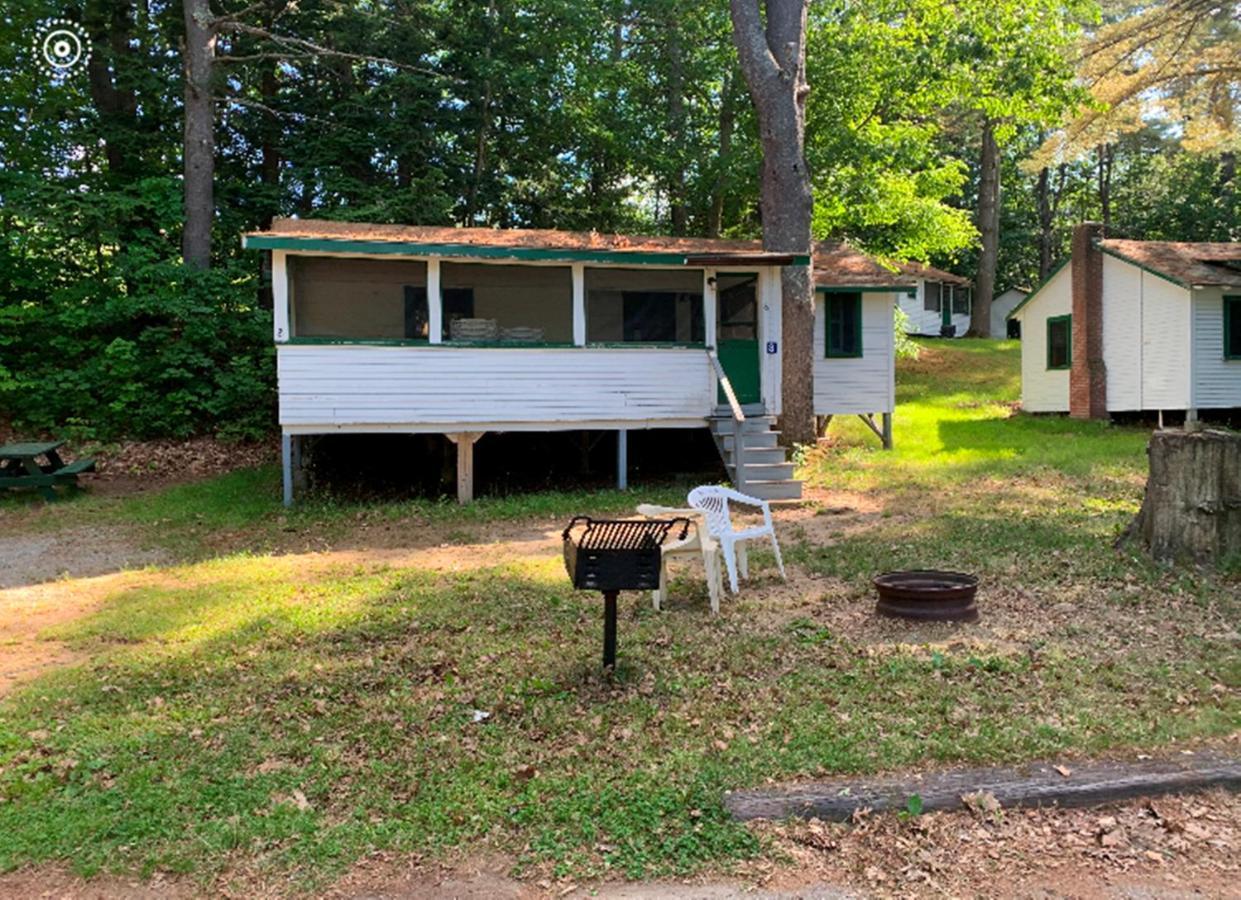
1134, 326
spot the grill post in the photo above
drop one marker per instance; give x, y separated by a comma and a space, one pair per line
609, 629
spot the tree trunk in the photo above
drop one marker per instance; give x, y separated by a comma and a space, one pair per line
199, 149
773, 60
1192, 508
678, 210
1106, 154
988, 229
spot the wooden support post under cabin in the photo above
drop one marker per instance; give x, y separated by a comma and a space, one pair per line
622, 459
286, 465
465, 441
884, 434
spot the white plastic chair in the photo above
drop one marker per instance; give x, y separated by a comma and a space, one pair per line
712, 501
699, 543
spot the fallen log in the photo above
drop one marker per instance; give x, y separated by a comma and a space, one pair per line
1036, 784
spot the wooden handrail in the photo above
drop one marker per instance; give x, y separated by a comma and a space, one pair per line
738, 418
729, 394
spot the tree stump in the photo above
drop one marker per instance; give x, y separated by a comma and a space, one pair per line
1192, 507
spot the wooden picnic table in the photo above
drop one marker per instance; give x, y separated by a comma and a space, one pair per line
20, 467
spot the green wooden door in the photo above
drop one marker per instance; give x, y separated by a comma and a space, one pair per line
737, 336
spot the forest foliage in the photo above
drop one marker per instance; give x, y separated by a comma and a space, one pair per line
612, 115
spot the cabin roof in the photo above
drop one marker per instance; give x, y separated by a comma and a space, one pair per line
510, 243
1184, 262
837, 265
930, 273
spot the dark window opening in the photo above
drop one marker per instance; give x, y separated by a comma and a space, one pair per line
960, 301
458, 304
651, 316
930, 296
844, 325
1060, 342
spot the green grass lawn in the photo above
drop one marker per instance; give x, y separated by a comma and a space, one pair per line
284, 715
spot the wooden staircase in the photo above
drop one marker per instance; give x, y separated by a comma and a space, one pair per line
765, 472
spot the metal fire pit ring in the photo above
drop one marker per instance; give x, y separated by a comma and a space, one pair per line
927, 594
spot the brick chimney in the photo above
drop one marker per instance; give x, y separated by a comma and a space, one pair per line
1088, 375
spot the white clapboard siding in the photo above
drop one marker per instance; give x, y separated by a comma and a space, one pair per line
1216, 380
1122, 334
862, 384
1043, 389
341, 386
1165, 343
925, 321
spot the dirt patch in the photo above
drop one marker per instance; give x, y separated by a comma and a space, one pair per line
1170, 846
27, 612
61, 884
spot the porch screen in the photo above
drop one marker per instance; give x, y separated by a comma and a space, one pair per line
507, 304
930, 295
644, 306
357, 299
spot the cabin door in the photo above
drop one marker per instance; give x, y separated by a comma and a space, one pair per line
736, 336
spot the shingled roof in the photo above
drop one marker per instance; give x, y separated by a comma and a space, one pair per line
1208, 264
838, 265
513, 242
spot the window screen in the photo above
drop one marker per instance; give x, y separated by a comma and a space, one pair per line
1059, 342
844, 325
1232, 327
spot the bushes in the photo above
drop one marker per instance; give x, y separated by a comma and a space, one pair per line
119, 340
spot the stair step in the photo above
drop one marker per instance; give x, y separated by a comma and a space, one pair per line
760, 455
748, 426
758, 440
768, 471
774, 490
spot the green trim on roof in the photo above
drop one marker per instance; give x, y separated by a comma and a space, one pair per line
1144, 268
469, 251
1034, 293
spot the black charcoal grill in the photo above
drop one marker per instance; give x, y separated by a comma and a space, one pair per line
613, 555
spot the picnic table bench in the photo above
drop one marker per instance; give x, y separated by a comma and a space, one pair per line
20, 467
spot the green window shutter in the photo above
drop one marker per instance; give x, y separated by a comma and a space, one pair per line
843, 317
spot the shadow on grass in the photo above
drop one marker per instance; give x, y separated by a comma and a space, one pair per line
254, 715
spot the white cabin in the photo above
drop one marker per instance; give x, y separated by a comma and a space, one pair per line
464, 331
1002, 325
1161, 320
940, 304
854, 335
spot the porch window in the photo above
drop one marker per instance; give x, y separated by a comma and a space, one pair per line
507, 304
1060, 342
1232, 327
644, 306
960, 301
357, 299
930, 295
844, 325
